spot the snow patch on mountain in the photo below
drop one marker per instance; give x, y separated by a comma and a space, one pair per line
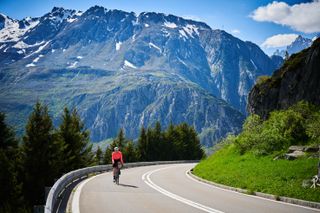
38, 50
129, 64
22, 45
253, 64
73, 65
37, 59
70, 20
183, 33
154, 46
170, 25
118, 45
30, 65
191, 29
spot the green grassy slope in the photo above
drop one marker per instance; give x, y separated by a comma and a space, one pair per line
260, 173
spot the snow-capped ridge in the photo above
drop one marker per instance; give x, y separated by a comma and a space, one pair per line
297, 45
13, 30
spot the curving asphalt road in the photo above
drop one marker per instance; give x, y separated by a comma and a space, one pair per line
166, 188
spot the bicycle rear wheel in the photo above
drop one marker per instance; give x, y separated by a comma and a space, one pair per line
117, 176
117, 180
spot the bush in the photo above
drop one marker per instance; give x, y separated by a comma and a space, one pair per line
298, 125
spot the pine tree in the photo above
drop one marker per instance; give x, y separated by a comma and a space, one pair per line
99, 156
39, 151
170, 137
72, 132
194, 150
107, 156
130, 153
151, 148
142, 145
155, 141
188, 143
10, 193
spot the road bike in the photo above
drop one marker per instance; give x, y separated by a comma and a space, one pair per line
117, 173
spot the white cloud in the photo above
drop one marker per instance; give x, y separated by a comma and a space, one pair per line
235, 31
304, 17
280, 40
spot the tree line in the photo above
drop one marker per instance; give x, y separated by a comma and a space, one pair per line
45, 153
177, 142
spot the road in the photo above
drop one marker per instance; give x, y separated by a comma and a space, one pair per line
167, 188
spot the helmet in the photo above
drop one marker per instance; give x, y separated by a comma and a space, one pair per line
116, 148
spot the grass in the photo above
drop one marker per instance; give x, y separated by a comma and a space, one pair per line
260, 174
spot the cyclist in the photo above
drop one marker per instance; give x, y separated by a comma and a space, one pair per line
116, 158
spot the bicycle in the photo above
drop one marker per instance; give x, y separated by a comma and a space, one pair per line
117, 173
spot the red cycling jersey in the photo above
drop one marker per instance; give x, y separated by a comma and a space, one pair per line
117, 156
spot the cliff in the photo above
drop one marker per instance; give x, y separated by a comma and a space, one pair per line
298, 79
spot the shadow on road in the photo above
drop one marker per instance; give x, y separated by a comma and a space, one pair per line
126, 185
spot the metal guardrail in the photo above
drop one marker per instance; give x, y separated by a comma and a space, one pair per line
67, 179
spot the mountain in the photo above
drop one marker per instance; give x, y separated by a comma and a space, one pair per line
298, 79
277, 60
126, 70
297, 45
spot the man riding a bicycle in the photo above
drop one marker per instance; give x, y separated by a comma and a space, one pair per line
116, 159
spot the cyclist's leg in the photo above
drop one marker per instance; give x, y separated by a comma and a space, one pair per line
114, 173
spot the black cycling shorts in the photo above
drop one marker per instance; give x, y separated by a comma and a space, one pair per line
116, 161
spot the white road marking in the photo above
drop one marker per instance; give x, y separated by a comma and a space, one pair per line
75, 206
252, 196
147, 180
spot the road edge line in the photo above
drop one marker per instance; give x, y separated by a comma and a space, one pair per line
75, 203
146, 178
284, 200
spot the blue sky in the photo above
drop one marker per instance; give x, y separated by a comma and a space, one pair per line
235, 17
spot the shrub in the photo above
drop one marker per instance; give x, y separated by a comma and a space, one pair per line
298, 125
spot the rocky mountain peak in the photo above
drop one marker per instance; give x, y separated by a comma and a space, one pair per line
297, 45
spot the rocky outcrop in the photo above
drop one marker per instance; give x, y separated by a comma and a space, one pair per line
298, 79
295, 152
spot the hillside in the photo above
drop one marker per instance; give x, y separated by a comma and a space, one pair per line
285, 115
298, 79
256, 159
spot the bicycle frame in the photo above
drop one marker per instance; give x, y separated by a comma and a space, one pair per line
117, 173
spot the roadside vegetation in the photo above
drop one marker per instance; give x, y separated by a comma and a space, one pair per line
248, 159
44, 153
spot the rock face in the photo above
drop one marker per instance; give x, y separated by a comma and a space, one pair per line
124, 70
298, 79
